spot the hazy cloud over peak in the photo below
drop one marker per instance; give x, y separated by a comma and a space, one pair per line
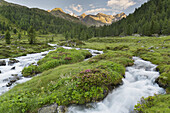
94, 11
77, 8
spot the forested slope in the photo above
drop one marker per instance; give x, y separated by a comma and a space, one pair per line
152, 17
22, 18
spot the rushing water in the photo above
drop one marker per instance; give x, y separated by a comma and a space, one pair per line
7, 72
139, 82
24, 61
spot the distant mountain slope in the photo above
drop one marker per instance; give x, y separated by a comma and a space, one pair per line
152, 17
90, 20
58, 12
21, 17
101, 19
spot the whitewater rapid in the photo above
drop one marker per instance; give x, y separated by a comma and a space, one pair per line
7, 72
139, 82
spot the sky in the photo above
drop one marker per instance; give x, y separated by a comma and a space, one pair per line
110, 7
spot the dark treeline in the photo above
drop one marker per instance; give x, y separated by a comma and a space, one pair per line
152, 17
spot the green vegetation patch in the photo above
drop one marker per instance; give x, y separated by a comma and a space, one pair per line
56, 58
155, 104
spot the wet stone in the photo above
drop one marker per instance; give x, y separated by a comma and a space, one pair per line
9, 84
13, 68
49, 109
62, 109
44, 54
2, 63
14, 74
96, 53
14, 79
12, 61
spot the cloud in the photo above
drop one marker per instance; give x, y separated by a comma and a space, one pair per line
77, 8
120, 4
97, 10
92, 6
68, 10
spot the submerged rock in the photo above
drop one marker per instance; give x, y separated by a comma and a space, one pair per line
2, 63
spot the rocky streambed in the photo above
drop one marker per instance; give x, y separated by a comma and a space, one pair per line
10, 70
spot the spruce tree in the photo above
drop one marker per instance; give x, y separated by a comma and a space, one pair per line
31, 35
19, 36
7, 37
15, 31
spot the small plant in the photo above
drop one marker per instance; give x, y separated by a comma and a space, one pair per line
68, 58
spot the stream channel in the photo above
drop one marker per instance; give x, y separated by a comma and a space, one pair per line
139, 82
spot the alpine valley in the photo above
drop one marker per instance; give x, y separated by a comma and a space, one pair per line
55, 62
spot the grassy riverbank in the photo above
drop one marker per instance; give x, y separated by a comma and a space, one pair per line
75, 83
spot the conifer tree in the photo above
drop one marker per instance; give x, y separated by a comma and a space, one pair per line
7, 37
31, 35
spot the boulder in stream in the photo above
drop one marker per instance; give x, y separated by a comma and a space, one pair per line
49, 109
54, 108
13, 68
2, 63
12, 61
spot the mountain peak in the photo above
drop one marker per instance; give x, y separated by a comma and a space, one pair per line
121, 15
101, 14
83, 15
57, 9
